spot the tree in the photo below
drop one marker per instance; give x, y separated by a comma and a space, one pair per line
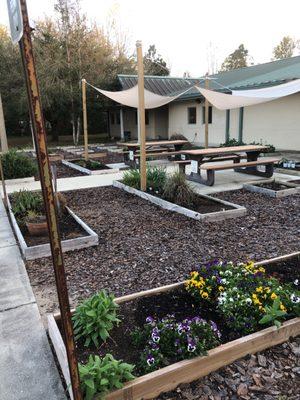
284, 49
154, 64
237, 59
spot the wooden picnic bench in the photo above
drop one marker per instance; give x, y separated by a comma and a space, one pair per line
201, 160
153, 149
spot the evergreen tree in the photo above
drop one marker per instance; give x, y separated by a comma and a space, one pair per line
237, 59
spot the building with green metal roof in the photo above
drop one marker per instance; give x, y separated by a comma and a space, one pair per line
276, 122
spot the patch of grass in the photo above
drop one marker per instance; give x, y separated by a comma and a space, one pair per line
156, 178
176, 190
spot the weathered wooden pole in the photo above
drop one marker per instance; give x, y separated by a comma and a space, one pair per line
3, 137
39, 130
141, 115
85, 127
206, 114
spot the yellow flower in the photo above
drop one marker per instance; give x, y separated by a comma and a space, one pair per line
268, 290
262, 308
254, 296
221, 289
273, 296
204, 295
282, 307
259, 289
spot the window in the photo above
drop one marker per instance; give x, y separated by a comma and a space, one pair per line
146, 117
112, 118
192, 115
209, 114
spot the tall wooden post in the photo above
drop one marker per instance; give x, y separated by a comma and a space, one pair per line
38, 124
141, 115
84, 112
4, 146
206, 113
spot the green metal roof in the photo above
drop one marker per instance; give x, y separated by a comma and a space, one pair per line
256, 76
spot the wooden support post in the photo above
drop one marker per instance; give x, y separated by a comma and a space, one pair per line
141, 115
206, 113
84, 112
4, 146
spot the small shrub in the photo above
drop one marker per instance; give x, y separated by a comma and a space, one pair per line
233, 142
95, 317
17, 165
89, 164
101, 375
177, 190
166, 341
24, 202
156, 178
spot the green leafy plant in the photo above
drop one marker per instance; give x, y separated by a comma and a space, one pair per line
90, 164
101, 375
17, 165
273, 314
95, 317
177, 190
156, 178
25, 201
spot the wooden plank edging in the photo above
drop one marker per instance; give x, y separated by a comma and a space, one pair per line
87, 171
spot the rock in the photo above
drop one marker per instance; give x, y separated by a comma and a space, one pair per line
262, 361
242, 389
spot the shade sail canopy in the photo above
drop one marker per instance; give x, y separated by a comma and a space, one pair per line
243, 98
130, 97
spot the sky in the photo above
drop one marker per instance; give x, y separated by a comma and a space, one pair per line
189, 33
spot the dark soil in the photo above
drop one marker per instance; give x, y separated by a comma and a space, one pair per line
93, 165
69, 229
203, 205
63, 171
273, 186
143, 246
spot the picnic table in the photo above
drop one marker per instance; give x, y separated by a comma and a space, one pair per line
200, 160
153, 149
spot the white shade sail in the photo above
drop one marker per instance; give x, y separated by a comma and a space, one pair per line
130, 97
243, 98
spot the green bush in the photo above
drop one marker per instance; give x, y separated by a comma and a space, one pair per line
156, 178
234, 142
95, 317
26, 201
89, 164
177, 190
101, 375
17, 165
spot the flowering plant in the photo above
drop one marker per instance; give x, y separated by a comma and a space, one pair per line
242, 293
165, 340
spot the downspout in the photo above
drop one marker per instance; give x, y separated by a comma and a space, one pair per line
241, 125
227, 129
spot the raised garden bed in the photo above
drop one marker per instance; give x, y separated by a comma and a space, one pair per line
210, 209
75, 235
90, 167
294, 182
158, 302
272, 188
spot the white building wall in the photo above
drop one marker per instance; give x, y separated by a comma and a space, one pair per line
178, 123
276, 122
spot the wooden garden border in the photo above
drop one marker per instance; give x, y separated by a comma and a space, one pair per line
88, 171
168, 378
237, 211
43, 250
254, 187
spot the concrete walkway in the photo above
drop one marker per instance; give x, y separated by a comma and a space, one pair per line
27, 367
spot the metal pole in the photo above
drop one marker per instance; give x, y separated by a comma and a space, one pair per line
85, 129
48, 196
206, 113
141, 115
3, 137
3, 184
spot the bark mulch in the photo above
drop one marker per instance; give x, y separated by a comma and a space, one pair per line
143, 246
271, 375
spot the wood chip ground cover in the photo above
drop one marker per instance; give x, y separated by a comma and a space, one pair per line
143, 246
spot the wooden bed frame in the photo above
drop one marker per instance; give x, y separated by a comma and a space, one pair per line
168, 378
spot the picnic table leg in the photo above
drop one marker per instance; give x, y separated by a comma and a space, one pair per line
253, 156
197, 177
